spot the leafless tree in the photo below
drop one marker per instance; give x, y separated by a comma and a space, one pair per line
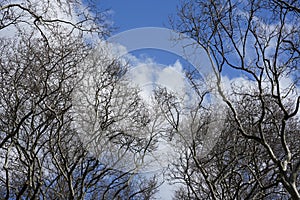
42, 69
257, 155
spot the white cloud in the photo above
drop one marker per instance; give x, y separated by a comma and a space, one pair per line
149, 75
173, 78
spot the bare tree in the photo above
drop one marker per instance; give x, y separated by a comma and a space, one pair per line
257, 156
43, 154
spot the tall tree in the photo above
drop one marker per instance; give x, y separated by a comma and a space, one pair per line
258, 154
49, 71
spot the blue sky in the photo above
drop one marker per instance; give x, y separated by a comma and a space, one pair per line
131, 14
128, 14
